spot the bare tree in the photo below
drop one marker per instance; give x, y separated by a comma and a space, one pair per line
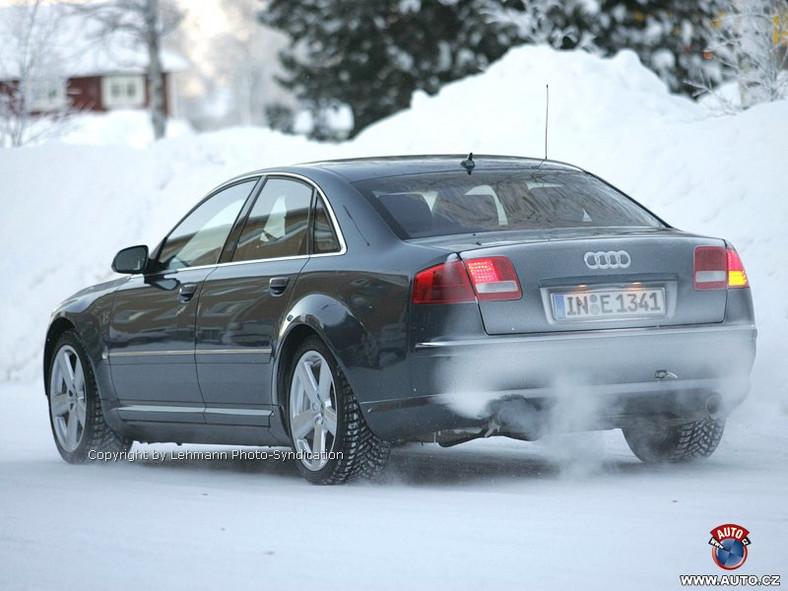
757, 32
751, 41
33, 101
145, 22
242, 64
243, 53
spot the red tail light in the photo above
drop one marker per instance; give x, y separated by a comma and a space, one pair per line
443, 284
491, 278
718, 268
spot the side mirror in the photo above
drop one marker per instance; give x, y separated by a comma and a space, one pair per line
131, 260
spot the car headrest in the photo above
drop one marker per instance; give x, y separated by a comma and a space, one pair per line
410, 210
469, 211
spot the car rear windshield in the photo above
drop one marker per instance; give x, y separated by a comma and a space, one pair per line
436, 204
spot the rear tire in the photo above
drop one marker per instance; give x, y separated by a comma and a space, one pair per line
652, 442
327, 429
75, 413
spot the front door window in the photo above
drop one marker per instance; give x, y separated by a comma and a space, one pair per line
199, 238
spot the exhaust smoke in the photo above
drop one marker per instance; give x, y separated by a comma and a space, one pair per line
564, 401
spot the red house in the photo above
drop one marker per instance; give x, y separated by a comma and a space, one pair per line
68, 66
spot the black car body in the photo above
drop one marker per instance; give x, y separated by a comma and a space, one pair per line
443, 298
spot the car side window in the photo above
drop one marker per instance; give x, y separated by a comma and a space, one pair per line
198, 239
324, 239
278, 224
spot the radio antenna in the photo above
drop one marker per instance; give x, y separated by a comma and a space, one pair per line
546, 115
546, 118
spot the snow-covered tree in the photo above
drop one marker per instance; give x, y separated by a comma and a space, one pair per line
757, 30
562, 24
371, 56
145, 22
670, 37
33, 101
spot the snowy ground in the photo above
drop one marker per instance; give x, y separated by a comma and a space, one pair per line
572, 512
575, 512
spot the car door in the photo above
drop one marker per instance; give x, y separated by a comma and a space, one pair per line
152, 327
242, 304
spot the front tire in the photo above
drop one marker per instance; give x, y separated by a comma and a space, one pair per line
75, 413
327, 429
653, 442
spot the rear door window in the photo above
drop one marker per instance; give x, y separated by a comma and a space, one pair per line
278, 224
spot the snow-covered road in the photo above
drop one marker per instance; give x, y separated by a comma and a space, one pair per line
574, 512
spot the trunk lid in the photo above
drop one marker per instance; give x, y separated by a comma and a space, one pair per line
587, 280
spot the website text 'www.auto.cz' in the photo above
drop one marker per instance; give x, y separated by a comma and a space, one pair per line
729, 580
212, 455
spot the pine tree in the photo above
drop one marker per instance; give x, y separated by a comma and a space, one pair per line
372, 55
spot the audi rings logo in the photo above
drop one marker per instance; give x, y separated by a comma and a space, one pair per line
612, 259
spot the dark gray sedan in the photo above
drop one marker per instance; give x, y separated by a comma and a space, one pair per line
339, 307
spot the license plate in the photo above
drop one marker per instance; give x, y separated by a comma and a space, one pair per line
608, 303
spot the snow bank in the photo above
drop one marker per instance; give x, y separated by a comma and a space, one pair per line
68, 208
118, 128
503, 110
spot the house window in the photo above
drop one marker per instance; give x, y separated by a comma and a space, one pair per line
45, 95
123, 92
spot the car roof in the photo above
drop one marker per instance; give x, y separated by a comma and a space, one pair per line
358, 169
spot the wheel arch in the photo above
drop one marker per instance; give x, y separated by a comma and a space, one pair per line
56, 329
334, 324
90, 339
297, 335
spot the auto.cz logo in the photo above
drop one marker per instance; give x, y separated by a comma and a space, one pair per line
729, 543
612, 259
729, 551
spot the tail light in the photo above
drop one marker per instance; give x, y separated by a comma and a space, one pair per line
718, 268
491, 278
736, 275
443, 284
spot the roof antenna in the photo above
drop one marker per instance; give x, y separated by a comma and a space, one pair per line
546, 118
468, 164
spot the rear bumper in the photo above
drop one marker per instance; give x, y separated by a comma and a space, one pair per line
607, 378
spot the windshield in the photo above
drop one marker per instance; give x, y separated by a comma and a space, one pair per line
436, 204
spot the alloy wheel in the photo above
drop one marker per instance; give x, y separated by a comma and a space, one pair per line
312, 408
67, 398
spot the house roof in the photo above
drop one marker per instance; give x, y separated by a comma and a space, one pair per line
67, 44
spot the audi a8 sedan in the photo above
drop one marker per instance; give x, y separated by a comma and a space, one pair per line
337, 308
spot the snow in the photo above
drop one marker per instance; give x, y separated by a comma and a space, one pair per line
726, 99
337, 118
572, 511
122, 127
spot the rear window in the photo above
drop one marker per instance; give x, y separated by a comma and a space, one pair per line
436, 204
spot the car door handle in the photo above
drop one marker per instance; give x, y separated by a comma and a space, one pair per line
277, 285
187, 291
